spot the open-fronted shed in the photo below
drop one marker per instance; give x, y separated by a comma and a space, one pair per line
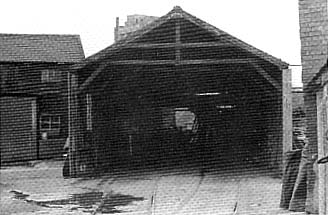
233, 99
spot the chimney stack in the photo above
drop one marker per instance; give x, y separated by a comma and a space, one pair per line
116, 29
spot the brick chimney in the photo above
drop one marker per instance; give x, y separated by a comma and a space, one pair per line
133, 23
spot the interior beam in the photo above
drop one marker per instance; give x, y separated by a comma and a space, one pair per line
183, 62
267, 76
175, 44
92, 77
287, 111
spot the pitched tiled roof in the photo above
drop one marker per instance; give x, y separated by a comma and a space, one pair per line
40, 48
174, 13
177, 12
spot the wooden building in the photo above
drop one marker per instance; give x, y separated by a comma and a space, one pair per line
322, 129
124, 100
313, 16
34, 71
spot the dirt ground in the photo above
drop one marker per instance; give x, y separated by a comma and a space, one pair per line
41, 189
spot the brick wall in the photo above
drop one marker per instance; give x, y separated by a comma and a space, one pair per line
313, 17
133, 23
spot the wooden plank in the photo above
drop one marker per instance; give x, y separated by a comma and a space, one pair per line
321, 168
18, 137
142, 62
322, 124
267, 76
71, 147
33, 136
73, 124
325, 198
323, 175
287, 110
91, 77
182, 62
180, 45
326, 148
177, 42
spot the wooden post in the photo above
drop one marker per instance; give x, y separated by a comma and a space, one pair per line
177, 42
325, 183
72, 124
287, 111
322, 120
325, 179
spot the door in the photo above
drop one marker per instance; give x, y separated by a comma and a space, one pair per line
322, 105
18, 129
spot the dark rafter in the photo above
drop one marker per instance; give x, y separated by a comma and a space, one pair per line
177, 42
183, 62
177, 15
178, 45
267, 76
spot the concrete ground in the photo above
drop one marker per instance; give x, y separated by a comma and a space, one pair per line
41, 189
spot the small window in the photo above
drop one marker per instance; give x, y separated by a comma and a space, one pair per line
50, 76
50, 126
184, 119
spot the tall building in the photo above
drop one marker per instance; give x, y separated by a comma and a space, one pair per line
313, 18
133, 23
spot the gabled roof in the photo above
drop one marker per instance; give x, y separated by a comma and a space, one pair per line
40, 48
177, 12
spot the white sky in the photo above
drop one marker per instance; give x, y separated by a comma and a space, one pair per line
270, 25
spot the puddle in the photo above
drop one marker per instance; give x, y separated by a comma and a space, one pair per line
113, 200
85, 201
19, 195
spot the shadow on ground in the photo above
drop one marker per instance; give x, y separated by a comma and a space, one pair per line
86, 201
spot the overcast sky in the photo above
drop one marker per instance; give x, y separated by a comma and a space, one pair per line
270, 25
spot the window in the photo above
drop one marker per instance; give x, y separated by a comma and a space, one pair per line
184, 119
50, 76
89, 112
50, 125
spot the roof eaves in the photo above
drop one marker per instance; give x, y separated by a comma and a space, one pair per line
37, 61
79, 46
177, 12
32, 48
130, 38
218, 32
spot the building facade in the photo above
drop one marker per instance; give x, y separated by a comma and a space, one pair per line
313, 18
34, 105
122, 113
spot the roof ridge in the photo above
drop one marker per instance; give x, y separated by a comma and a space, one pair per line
37, 34
41, 48
178, 12
234, 39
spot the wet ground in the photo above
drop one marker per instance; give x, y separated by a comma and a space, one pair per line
177, 190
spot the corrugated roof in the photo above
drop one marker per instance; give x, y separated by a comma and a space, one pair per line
40, 48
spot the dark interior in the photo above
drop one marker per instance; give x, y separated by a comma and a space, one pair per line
177, 66
137, 113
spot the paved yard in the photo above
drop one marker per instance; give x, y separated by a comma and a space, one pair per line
42, 190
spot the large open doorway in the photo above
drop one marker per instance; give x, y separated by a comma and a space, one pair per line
239, 97
205, 116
